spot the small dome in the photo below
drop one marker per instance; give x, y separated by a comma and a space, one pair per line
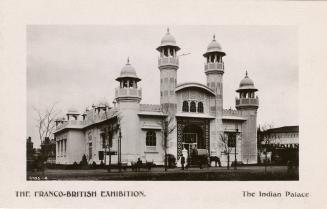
168, 40
128, 71
72, 111
103, 103
247, 83
214, 46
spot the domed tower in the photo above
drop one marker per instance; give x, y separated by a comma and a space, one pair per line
214, 70
247, 104
128, 97
128, 90
168, 66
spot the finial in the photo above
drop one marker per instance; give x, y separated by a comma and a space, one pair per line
214, 37
127, 60
246, 73
168, 30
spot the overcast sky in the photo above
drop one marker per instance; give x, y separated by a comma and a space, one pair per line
77, 65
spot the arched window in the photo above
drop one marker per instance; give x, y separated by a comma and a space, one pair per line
193, 107
185, 106
150, 138
200, 107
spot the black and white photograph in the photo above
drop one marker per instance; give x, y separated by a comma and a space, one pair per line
162, 103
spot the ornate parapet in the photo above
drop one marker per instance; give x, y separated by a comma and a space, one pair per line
168, 61
247, 102
128, 93
231, 112
216, 67
150, 108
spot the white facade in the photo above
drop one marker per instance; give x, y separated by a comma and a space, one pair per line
194, 111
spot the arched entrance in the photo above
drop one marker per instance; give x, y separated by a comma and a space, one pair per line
192, 132
193, 138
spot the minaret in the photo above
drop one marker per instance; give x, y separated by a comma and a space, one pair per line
128, 97
247, 104
128, 90
214, 70
168, 66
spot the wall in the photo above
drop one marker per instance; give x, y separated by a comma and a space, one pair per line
151, 154
249, 136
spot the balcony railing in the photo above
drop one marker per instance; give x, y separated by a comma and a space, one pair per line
247, 102
217, 66
128, 92
168, 61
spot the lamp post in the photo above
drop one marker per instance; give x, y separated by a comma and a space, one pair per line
235, 162
119, 150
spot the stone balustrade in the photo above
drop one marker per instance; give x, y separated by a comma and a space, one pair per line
216, 66
128, 92
247, 102
162, 61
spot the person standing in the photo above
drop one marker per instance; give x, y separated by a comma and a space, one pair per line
183, 162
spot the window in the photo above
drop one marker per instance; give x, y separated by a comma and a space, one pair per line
103, 140
193, 107
200, 107
231, 139
150, 138
185, 106
65, 145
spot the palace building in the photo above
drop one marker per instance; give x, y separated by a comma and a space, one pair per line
190, 116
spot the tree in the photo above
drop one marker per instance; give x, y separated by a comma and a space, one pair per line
45, 121
168, 126
226, 149
264, 141
108, 131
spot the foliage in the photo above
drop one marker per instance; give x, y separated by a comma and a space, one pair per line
45, 121
226, 149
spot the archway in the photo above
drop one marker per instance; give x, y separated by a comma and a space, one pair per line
193, 138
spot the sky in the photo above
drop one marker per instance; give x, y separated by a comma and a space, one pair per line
76, 66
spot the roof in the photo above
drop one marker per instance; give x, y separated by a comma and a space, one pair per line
128, 71
91, 119
283, 129
246, 84
168, 40
72, 111
194, 85
214, 46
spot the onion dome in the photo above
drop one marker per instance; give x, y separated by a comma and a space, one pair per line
128, 71
72, 111
246, 83
168, 40
214, 46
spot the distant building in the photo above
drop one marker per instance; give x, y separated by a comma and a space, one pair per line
29, 153
198, 119
281, 144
